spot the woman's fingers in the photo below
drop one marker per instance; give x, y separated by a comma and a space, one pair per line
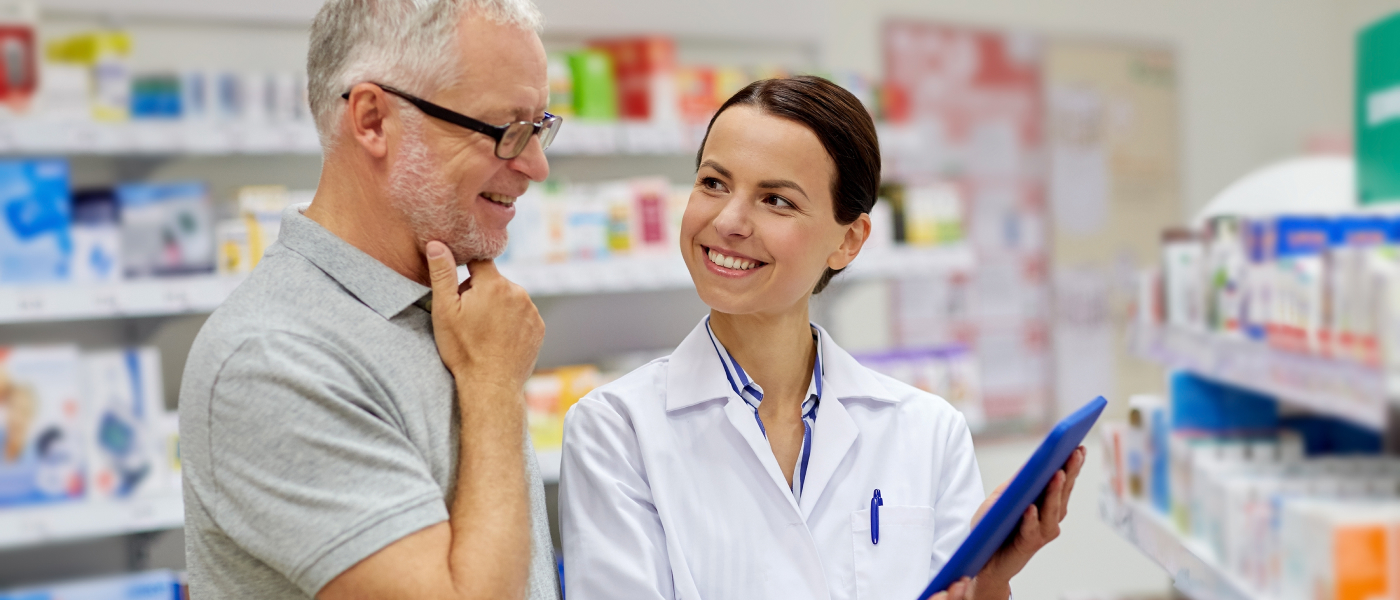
1076, 464
1054, 497
958, 591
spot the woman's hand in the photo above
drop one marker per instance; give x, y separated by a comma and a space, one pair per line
1038, 527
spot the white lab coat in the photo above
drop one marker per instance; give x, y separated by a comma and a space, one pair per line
669, 490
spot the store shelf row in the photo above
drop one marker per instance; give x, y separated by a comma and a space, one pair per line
1193, 567
218, 138
1330, 386
201, 294
78, 137
62, 522
54, 523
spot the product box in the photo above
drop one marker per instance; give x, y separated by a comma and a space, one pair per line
240, 242
106, 53
1183, 278
41, 429
152, 585
645, 69
587, 222
698, 95
97, 236
19, 75
561, 85
595, 85
124, 401
932, 214
1349, 327
1340, 550
167, 229
1299, 278
1225, 265
35, 241
647, 218
156, 96
548, 397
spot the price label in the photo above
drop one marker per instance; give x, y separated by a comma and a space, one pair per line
31, 304
104, 302
176, 299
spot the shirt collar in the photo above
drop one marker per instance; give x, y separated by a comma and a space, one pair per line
691, 376
373, 283
739, 380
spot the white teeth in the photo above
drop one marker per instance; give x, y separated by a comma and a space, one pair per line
730, 262
501, 199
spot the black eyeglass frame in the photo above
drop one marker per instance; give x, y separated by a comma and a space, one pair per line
549, 125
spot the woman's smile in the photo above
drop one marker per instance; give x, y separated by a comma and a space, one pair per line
728, 263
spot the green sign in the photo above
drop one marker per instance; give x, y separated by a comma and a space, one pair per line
1378, 112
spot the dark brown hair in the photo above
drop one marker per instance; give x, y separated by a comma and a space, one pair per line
839, 121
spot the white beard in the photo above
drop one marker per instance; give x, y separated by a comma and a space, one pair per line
428, 201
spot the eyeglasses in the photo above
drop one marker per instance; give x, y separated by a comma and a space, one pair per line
511, 138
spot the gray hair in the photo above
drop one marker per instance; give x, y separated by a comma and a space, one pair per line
402, 43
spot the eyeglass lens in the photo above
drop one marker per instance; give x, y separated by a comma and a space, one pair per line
517, 137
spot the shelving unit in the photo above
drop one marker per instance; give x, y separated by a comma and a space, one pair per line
32, 525
52, 523
31, 136
1193, 567
1335, 387
202, 294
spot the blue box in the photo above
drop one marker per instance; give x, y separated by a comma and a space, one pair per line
35, 241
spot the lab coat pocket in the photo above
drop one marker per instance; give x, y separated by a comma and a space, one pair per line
899, 566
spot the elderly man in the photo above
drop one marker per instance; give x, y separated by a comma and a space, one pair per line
353, 418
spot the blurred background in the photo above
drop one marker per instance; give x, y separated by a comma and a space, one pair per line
1180, 205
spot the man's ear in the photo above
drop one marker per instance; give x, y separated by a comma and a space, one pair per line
367, 110
856, 235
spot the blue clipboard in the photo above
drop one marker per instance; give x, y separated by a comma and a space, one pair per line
1004, 516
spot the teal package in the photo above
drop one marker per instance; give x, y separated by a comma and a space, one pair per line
36, 244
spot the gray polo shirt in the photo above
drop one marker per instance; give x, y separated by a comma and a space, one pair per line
319, 425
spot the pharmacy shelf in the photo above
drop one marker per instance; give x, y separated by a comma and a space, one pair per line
202, 294
44, 137
137, 298
1335, 387
1193, 567
39, 136
668, 272
52, 523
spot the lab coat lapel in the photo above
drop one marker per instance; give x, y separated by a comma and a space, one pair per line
741, 417
695, 375
832, 439
835, 433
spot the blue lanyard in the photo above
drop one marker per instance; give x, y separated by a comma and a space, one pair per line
750, 392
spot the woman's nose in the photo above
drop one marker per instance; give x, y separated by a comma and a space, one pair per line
733, 219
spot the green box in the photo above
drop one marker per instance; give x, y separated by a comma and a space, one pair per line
595, 85
1378, 112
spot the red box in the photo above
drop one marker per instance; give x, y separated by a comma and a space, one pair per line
645, 68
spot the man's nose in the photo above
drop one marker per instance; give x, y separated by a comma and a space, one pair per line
532, 162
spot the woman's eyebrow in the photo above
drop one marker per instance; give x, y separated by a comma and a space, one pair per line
721, 170
777, 184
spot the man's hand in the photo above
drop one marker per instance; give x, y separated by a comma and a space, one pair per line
489, 333
1039, 526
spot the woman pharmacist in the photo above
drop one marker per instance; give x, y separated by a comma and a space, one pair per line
746, 464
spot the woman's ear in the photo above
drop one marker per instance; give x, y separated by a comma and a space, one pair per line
856, 234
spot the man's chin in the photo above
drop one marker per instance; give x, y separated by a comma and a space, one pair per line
468, 250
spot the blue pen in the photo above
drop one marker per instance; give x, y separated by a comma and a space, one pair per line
875, 503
